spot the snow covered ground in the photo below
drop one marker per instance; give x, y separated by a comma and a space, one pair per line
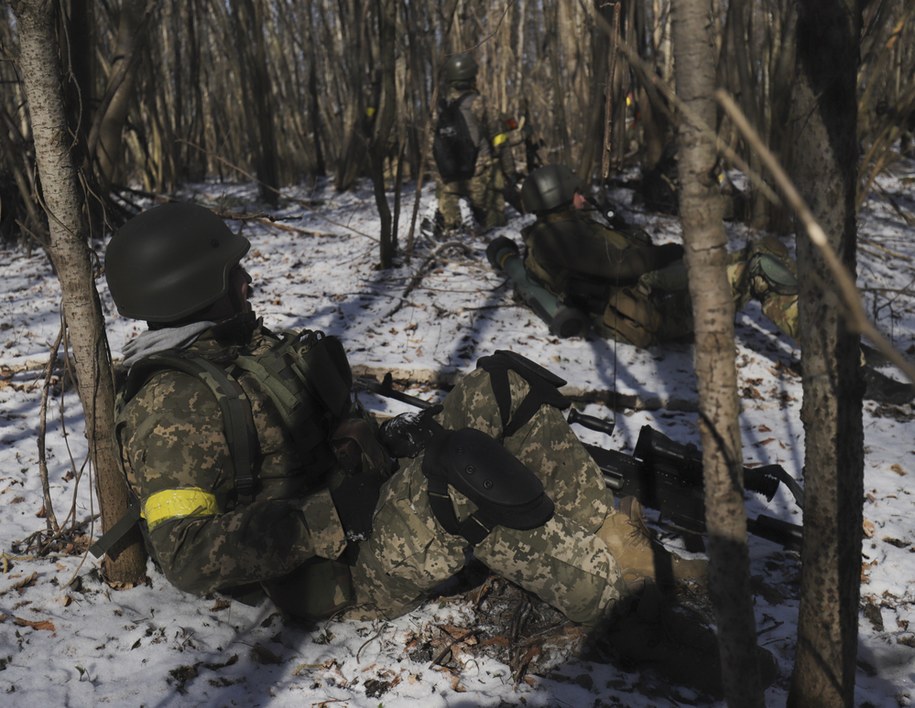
66, 638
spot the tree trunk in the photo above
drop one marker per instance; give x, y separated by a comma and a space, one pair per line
105, 142
387, 18
252, 64
716, 372
824, 112
71, 257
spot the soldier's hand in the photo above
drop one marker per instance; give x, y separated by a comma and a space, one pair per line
407, 434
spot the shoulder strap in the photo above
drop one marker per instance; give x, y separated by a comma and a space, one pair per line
238, 423
233, 403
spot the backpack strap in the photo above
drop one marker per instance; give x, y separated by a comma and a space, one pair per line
238, 423
543, 386
237, 419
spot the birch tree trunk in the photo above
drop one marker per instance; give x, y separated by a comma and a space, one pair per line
701, 211
824, 111
70, 254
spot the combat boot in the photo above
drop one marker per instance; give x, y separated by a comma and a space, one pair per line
642, 559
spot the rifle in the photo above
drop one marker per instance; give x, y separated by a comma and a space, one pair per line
662, 474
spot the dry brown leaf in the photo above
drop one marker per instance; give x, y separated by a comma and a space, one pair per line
25, 582
869, 528
46, 625
897, 468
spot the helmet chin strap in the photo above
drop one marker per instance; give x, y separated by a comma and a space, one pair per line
239, 327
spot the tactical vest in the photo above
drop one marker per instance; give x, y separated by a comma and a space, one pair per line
307, 377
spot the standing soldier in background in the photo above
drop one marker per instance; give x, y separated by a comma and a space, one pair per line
469, 147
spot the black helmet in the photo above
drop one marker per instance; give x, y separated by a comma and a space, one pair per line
549, 187
170, 262
460, 68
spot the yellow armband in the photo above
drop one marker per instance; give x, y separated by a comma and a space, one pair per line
499, 139
176, 503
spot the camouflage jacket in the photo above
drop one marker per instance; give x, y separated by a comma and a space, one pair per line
176, 457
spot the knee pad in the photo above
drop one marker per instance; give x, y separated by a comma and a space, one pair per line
776, 275
504, 490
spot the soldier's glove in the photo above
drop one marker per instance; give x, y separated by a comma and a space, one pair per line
355, 497
407, 434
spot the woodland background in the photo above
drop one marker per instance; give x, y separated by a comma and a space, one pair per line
164, 92
135, 99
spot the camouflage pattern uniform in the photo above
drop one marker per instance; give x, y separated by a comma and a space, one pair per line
639, 292
289, 537
484, 190
173, 444
562, 562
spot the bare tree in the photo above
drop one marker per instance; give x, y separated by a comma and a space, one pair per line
384, 124
705, 239
70, 254
247, 25
824, 167
105, 143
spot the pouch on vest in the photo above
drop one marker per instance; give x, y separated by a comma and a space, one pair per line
630, 315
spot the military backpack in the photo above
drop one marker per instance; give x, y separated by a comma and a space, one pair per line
453, 146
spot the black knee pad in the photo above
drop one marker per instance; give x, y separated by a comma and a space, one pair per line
505, 491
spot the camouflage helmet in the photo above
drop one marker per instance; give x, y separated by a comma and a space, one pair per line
170, 262
460, 68
549, 187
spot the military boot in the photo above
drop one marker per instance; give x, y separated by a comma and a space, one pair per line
674, 646
642, 559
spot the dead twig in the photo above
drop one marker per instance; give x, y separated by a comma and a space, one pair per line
422, 270
50, 517
454, 641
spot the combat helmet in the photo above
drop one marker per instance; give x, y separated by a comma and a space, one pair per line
548, 188
460, 68
170, 262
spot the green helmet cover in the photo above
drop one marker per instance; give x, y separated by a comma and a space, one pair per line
171, 261
460, 68
549, 187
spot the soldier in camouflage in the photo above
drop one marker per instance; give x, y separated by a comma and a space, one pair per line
484, 190
255, 474
637, 291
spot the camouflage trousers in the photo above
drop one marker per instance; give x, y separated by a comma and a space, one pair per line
562, 562
483, 191
749, 281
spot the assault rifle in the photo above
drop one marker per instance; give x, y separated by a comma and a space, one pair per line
662, 474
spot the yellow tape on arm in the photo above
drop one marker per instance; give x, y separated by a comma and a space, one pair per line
499, 139
175, 503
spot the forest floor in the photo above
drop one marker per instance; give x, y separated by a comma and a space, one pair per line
67, 638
